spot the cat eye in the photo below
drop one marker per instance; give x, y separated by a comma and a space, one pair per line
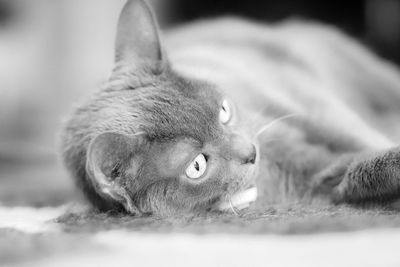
197, 167
225, 112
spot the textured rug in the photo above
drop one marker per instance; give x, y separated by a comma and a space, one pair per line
37, 228
335, 236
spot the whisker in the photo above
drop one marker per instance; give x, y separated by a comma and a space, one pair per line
233, 209
270, 124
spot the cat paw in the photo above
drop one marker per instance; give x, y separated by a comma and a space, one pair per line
329, 187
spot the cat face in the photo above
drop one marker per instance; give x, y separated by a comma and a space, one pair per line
186, 153
160, 143
187, 173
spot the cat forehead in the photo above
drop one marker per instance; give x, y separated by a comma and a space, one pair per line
191, 110
178, 107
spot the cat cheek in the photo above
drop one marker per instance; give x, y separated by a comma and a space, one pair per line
241, 174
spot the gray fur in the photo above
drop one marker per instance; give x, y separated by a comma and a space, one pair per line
341, 92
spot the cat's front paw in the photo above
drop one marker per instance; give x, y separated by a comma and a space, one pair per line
329, 183
332, 194
338, 194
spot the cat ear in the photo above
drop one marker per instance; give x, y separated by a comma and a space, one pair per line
110, 158
138, 42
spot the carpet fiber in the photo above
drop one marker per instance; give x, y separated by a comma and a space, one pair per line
36, 229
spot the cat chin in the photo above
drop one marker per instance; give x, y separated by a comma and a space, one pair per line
243, 198
240, 200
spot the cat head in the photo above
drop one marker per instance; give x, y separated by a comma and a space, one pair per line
153, 141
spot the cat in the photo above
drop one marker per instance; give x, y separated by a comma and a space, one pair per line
222, 113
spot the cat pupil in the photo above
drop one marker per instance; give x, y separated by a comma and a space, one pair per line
196, 166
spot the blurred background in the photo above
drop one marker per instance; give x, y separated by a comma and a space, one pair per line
52, 53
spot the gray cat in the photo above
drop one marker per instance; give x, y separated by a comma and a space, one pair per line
219, 114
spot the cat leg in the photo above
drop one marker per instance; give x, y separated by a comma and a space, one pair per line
361, 177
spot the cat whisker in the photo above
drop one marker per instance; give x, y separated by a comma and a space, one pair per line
270, 124
233, 209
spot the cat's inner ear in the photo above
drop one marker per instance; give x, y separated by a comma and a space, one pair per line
138, 41
112, 158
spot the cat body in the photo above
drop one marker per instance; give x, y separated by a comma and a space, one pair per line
335, 93
209, 109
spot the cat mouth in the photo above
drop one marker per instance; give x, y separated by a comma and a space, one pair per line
239, 200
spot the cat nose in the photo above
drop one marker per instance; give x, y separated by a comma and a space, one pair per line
251, 157
243, 150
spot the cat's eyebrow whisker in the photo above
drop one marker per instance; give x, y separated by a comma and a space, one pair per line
140, 133
270, 124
